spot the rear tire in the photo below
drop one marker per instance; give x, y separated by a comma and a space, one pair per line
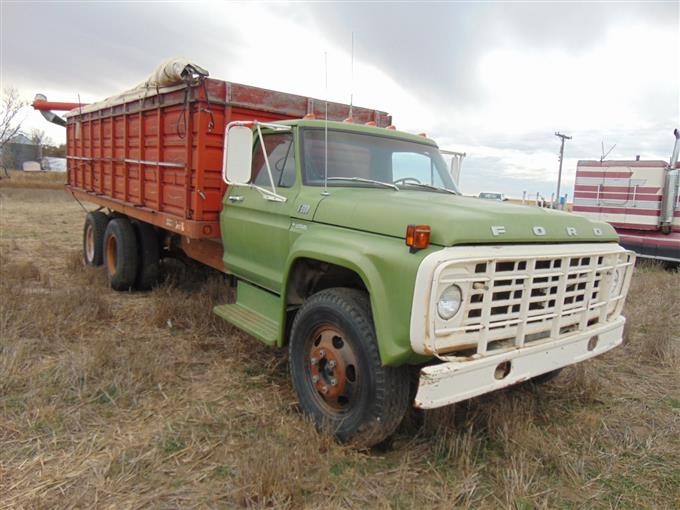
120, 254
93, 238
148, 272
336, 370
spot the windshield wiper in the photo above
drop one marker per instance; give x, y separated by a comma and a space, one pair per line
429, 186
361, 179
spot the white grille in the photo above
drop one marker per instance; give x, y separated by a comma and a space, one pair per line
513, 301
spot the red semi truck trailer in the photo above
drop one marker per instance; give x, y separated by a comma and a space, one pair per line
640, 199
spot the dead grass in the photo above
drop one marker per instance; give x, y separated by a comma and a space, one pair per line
653, 313
123, 400
34, 180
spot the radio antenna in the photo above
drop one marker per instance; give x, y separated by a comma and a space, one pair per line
604, 155
325, 129
351, 81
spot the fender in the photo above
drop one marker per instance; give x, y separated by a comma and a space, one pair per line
387, 269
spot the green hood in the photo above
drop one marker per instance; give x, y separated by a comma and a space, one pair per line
454, 219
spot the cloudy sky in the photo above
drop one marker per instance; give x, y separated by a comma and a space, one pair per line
492, 79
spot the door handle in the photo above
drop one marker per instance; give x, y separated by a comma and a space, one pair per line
235, 198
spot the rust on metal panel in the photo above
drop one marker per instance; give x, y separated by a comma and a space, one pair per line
189, 228
207, 251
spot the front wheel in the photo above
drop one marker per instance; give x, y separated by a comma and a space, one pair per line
336, 370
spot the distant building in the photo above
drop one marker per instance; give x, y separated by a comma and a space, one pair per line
18, 150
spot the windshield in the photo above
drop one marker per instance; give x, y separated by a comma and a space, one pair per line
356, 159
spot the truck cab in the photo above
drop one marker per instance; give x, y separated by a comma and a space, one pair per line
352, 246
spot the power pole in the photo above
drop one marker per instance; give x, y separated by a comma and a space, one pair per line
559, 175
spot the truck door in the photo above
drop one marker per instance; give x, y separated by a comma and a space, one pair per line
647, 184
615, 194
255, 229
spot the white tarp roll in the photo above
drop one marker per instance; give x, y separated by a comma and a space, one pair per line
172, 74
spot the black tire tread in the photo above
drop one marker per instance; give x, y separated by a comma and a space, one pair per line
127, 258
148, 271
98, 220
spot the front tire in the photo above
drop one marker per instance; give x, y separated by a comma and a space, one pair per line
336, 370
120, 254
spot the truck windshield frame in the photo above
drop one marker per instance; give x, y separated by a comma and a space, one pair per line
357, 158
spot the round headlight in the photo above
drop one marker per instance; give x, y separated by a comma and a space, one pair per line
617, 281
449, 302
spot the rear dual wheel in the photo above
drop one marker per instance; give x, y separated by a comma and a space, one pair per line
336, 370
93, 238
132, 254
148, 246
120, 254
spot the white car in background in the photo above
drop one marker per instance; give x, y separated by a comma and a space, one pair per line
492, 196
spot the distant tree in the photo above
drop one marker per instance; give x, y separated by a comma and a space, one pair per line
10, 106
39, 137
55, 151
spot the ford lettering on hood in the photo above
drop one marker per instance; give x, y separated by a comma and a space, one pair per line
454, 219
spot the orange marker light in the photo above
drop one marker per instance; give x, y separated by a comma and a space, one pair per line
418, 236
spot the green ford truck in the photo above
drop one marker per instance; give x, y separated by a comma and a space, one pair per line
352, 246
349, 244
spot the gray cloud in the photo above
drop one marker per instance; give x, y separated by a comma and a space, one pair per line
100, 48
431, 49
435, 48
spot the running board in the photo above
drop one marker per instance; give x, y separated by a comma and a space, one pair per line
256, 312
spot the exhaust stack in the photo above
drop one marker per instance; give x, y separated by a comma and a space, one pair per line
671, 189
676, 150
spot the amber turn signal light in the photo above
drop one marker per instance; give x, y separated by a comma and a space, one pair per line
418, 236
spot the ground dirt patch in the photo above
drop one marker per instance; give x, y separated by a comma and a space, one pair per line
134, 400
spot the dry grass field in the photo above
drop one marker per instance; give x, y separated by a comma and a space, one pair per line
130, 400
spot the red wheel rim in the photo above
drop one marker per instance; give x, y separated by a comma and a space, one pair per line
332, 369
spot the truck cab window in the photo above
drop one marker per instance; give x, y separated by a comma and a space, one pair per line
281, 156
414, 166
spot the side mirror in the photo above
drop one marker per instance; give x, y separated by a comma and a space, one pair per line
238, 155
